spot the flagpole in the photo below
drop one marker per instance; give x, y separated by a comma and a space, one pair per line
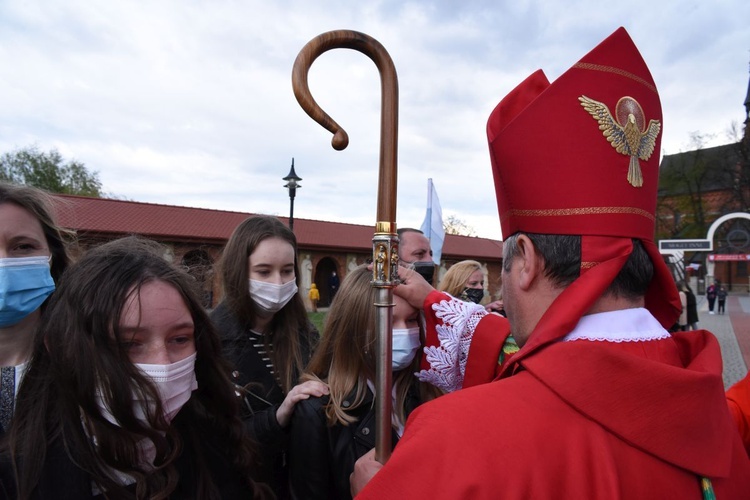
429, 207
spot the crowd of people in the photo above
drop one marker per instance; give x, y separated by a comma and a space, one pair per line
132, 390
125, 391
116, 383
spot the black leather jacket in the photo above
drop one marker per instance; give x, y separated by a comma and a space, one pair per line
265, 394
321, 457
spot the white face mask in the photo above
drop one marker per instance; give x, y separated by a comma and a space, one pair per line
175, 383
405, 344
271, 297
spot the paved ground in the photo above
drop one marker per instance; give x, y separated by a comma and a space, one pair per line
732, 329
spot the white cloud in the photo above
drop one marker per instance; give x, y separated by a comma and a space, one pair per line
187, 102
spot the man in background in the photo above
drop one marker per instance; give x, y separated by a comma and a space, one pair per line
414, 251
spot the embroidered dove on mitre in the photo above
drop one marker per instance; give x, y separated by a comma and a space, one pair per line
627, 134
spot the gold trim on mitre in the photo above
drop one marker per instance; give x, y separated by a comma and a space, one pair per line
616, 71
565, 212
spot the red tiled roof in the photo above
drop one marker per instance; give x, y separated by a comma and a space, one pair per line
470, 247
108, 216
167, 222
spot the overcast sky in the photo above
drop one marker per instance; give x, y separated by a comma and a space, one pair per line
188, 102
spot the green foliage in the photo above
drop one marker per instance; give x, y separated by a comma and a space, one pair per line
318, 319
49, 171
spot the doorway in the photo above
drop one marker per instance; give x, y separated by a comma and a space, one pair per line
327, 279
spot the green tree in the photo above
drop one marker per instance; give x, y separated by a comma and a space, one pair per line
49, 171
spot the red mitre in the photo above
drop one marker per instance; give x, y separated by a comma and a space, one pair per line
580, 156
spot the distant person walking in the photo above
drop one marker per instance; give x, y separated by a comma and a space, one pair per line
721, 294
333, 284
682, 321
314, 296
711, 296
692, 308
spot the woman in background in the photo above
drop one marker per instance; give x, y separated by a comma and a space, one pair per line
465, 280
692, 308
266, 335
682, 321
721, 296
330, 433
126, 394
33, 257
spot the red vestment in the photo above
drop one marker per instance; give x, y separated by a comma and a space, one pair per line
580, 419
738, 398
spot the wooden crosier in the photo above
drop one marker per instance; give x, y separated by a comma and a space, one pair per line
385, 240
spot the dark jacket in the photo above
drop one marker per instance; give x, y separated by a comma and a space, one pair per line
321, 457
692, 308
264, 396
61, 479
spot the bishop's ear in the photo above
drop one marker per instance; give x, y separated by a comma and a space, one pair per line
530, 262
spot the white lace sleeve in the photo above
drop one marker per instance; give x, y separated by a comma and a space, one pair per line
448, 359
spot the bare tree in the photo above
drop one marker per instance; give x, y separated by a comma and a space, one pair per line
454, 225
685, 179
739, 170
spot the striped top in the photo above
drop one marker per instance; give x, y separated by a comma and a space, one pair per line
260, 347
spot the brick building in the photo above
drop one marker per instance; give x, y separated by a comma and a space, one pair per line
698, 187
195, 238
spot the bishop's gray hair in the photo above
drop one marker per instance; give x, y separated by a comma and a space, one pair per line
562, 263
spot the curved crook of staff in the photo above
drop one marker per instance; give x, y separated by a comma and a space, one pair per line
384, 241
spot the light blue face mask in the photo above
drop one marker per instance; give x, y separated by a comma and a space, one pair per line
405, 344
25, 283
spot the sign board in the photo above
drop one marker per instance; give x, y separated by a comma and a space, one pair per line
688, 245
729, 257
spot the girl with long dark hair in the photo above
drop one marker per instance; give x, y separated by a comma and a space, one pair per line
266, 335
127, 394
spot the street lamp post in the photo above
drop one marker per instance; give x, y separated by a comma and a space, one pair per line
292, 183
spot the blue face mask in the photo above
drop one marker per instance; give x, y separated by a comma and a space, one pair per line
25, 283
405, 344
